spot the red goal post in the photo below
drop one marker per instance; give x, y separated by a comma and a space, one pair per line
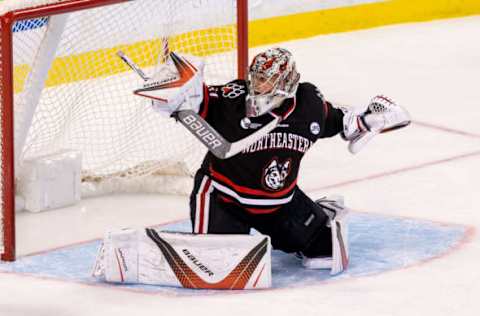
14, 11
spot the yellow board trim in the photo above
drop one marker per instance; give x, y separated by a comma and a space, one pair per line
104, 62
261, 32
363, 16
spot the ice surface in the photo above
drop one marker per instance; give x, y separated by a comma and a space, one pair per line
426, 173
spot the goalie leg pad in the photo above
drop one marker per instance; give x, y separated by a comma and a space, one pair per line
153, 257
338, 260
117, 258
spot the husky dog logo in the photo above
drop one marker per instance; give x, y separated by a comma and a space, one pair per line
232, 90
275, 174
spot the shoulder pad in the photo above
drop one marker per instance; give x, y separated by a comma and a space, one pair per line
311, 89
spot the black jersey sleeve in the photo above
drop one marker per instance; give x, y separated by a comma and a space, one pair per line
333, 120
330, 117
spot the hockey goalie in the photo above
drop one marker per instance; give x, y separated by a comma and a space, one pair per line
257, 132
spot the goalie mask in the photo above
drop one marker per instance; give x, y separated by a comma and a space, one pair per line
273, 78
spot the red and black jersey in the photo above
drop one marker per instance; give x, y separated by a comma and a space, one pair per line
264, 175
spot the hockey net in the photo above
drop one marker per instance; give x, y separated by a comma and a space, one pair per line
71, 92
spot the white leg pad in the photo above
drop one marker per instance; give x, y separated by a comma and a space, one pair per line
340, 255
338, 262
203, 261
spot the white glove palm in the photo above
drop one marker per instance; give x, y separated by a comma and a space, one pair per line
382, 115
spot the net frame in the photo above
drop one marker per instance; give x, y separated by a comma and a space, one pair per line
36, 9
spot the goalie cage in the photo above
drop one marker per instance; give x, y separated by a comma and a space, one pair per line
62, 87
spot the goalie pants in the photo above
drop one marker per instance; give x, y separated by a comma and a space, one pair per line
298, 226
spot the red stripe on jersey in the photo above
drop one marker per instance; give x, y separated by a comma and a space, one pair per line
206, 98
202, 206
326, 108
238, 188
250, 209
226, 200
262, 210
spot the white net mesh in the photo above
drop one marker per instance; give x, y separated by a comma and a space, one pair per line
88, 104
72, 92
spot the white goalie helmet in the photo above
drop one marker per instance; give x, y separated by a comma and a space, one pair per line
273, 77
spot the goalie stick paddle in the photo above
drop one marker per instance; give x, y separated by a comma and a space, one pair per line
215, 142
196, 125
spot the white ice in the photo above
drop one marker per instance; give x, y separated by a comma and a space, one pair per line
428, 171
